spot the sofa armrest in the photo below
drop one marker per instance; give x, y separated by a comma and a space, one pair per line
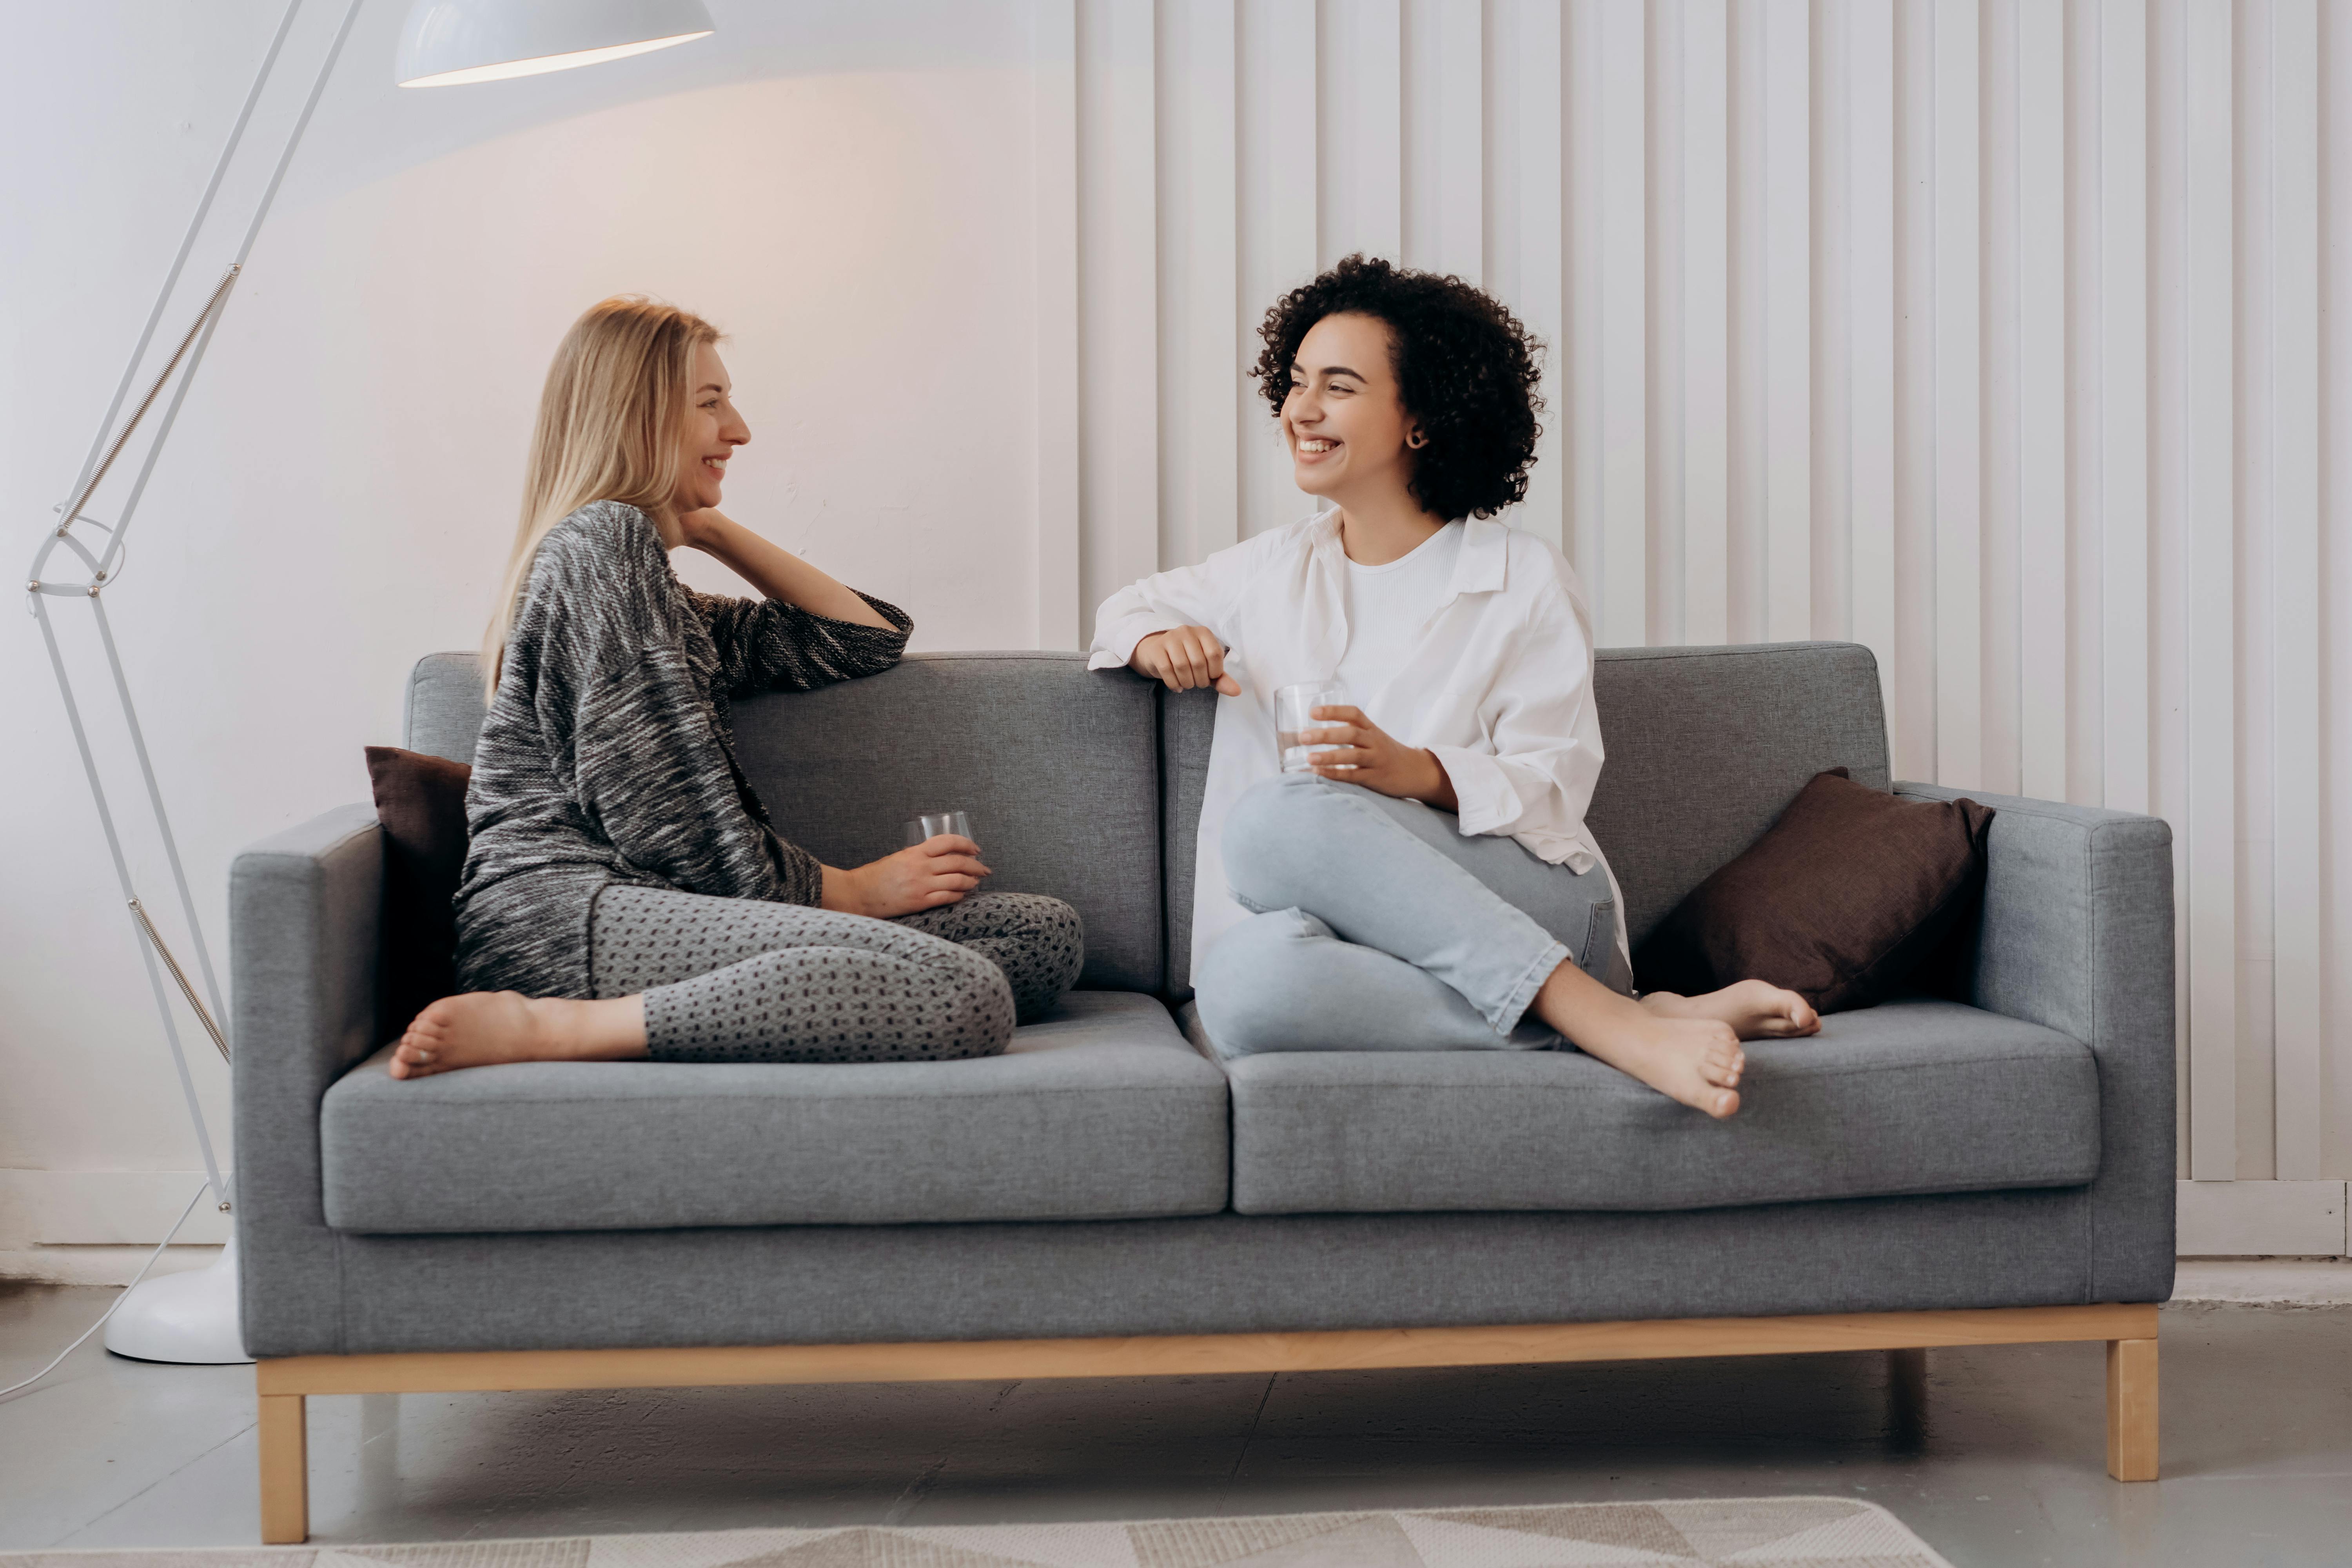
2077, 936
305, 907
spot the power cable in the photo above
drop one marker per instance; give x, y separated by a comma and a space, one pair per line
15, 1388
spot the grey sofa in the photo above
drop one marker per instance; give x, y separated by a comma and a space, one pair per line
1109, 1197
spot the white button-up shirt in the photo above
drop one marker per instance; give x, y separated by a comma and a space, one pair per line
1498, 684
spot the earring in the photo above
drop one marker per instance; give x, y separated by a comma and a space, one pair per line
1416, 440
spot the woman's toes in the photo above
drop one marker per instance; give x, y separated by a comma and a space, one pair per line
1798, 1012
416, 1053
1720, 1104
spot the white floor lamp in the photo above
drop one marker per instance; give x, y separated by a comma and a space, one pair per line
192, 1317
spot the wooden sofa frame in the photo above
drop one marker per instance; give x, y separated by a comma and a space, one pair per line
283, 1384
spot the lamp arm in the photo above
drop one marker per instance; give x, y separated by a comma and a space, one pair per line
84, 482
235, 267
131, 896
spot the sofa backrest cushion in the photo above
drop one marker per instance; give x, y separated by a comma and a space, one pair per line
1705, 747
444, 712
1058, 767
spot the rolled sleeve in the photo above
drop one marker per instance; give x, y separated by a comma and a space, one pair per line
1187, 597
1486, 802
1537, 781
1117, 629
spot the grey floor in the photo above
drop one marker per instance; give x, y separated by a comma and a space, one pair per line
2004, 1463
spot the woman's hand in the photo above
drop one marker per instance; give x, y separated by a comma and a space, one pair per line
1371, 757
939, 870
1184, 659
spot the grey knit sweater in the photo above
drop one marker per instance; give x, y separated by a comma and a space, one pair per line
607, 754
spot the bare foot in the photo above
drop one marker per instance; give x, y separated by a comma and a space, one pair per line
1695, 1060
1755, 1010
481, 1027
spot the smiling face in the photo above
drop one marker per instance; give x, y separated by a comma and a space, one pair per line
708, 435
1347, 425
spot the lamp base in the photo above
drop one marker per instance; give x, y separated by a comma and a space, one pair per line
189, 1318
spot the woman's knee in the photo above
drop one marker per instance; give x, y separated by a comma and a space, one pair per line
1059, 927
1279, 824
1065, 938
975, 1004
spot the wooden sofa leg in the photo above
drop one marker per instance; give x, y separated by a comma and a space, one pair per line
1907, 1390
2131, 1409
285, 1471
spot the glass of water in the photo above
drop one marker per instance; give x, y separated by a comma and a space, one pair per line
1294, 714
931, 823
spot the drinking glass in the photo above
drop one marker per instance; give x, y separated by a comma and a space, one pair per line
931, 823
1294, 714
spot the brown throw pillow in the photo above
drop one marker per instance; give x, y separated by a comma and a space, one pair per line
1838, 901
421, 802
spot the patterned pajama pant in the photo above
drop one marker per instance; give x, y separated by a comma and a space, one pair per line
741, 980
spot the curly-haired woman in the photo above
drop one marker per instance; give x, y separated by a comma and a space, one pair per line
624, 893
1429, 883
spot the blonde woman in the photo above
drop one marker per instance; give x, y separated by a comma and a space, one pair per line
624, 894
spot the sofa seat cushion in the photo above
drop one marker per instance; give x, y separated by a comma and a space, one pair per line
1913, 1096
1099, 1112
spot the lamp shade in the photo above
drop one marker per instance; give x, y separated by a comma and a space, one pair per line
450, 41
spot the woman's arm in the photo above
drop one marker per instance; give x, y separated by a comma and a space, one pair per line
1536, 783
1195, 600
773, 569
803, 635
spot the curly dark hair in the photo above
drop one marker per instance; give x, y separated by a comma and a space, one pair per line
1466, 368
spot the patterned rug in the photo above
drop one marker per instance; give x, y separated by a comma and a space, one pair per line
1755, 1533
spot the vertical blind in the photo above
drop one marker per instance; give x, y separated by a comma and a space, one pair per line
2006, 337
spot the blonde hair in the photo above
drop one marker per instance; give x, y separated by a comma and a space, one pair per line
609, 416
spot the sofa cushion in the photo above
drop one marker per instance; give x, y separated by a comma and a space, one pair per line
1057, 766
1101, 1111
1915, 1096
1839, 902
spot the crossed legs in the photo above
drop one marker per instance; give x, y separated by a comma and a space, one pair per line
1382, 927
685, 977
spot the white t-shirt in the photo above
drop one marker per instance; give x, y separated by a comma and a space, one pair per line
1387, 607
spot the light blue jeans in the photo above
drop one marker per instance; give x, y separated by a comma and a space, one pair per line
1381, 928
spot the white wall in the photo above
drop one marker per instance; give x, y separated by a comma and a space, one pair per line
2010, 338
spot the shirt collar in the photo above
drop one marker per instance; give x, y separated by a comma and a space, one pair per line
1479, 568
1485, 552
1323, 529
